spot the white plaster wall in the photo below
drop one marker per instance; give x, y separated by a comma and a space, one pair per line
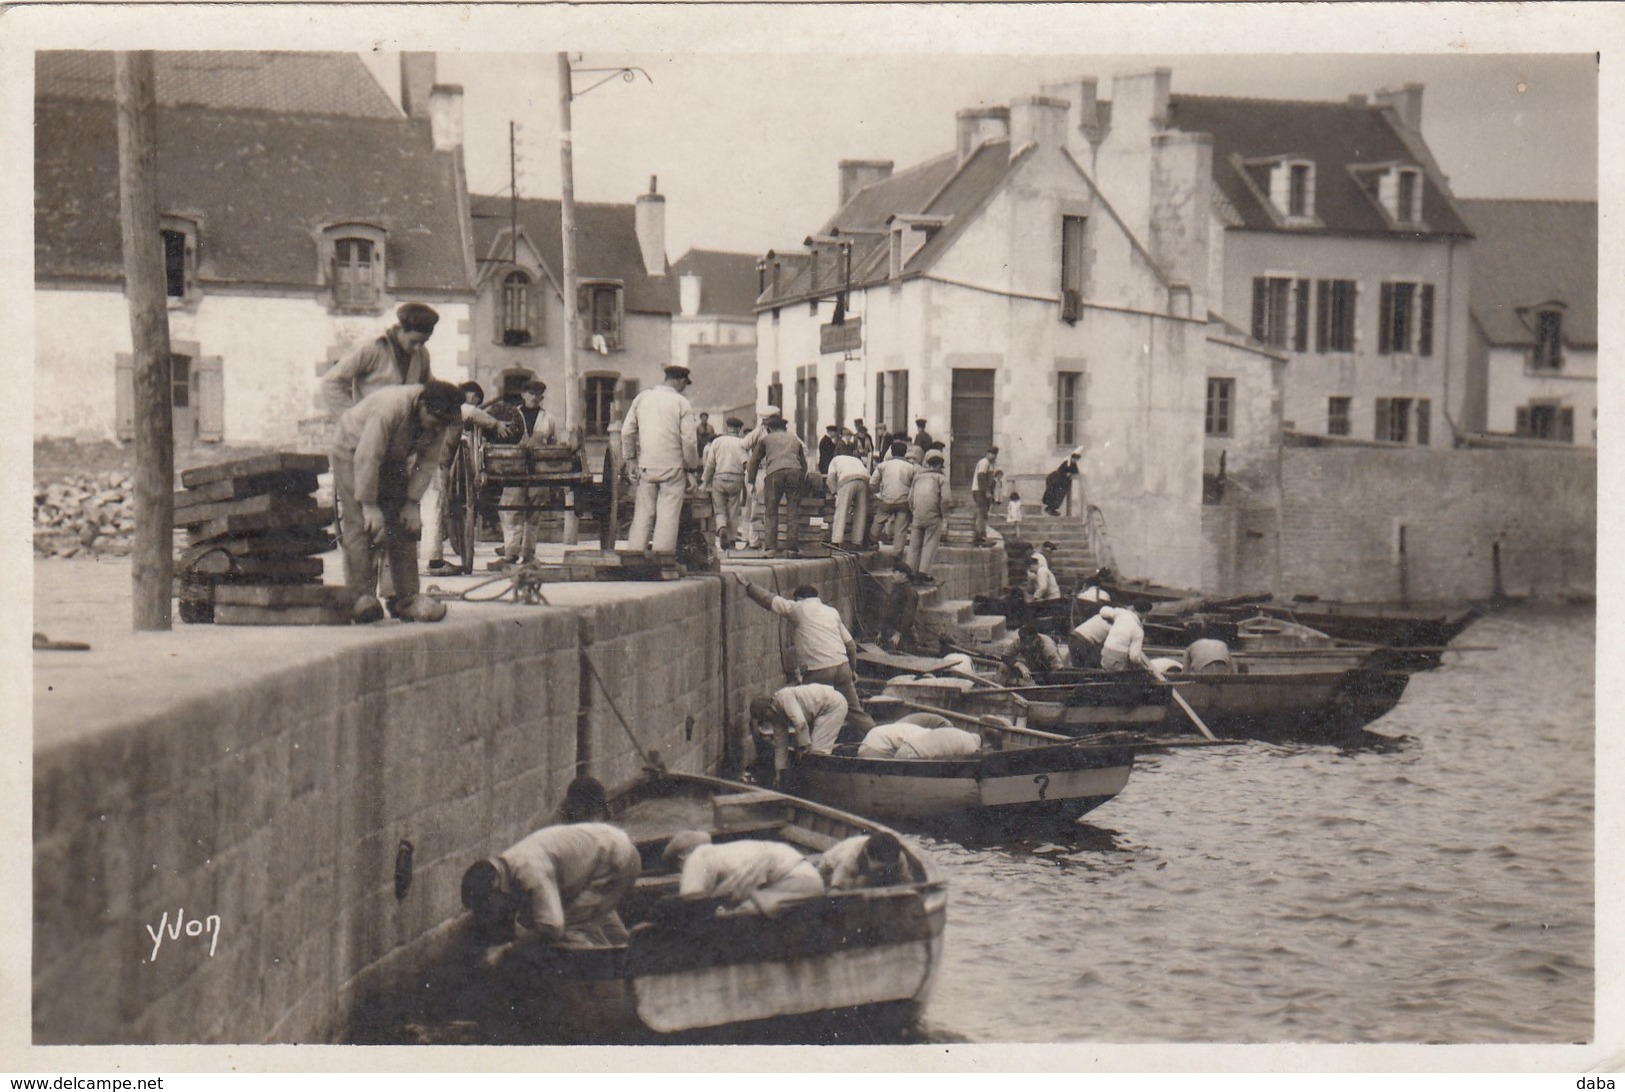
1363, 375
272, 350
1512, 384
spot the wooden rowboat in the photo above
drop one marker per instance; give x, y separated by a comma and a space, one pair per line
1024, 775
865, 957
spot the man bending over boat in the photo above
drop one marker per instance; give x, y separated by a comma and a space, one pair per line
749, 876
1125, 642
906, 740
798, 718
1037, 654
563, 883
866, 860
825, 650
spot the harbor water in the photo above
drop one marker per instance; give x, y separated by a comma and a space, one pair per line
1434, 889
1433, 884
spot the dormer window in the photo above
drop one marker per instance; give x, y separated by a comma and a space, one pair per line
908, 235
1408, 196
1397, 188
1286, 183
180, 259
352, 259
1548, 354
1298, 191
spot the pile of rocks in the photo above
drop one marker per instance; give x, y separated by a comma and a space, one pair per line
84, 514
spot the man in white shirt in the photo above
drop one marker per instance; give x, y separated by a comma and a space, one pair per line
562, 882
825, 650
1125, 642
724, 477
1042, 584
905, 740
891, 481
863, 861
800, 718
849, 480
749, 876
981, 492
660, 443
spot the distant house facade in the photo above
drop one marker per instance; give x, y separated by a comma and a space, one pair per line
625, 296
1044, 287
1344, 252
299, 207
1532, 368
717, 293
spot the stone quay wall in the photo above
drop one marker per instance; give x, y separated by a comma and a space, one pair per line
225, 862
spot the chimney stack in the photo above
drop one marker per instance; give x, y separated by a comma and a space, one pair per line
446, 116
1357, 100
978, 125
1406, 102
858, 173
651, 229
1037, 119
1181, 205
417, 82
1082, 96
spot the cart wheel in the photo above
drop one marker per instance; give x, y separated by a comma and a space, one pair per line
462, 522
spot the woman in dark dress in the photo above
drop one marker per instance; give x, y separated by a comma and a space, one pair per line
1058, 483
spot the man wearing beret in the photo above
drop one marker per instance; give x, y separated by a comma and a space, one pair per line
660, 444
396, 356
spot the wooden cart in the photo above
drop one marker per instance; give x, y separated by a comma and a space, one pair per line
478, 465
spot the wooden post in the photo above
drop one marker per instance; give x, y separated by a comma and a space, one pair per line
151, 569
572, 324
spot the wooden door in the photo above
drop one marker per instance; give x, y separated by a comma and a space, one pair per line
971, 418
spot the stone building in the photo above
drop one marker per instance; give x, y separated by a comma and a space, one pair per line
299, 206
717, 293
1532, 357
626, 298
1043, 286
1344, 251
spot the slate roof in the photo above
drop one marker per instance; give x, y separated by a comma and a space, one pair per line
606, 245
728, 281
938, 187
1332, 135
260, 183
284, 83
1532, 252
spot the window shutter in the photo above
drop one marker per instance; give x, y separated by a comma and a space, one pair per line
211, 398
1385, 323
124, 396
1424, 327
499, 314
1382, 419
535, 300
1323, 300
1424, 421
1522, 426
1565, 424
1300, 333
378, 272
1259, 309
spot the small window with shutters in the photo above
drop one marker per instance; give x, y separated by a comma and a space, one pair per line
197, 396
519, 313
603, 315
180, 236
352, 259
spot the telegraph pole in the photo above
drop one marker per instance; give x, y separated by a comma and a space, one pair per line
152, 562
572, 317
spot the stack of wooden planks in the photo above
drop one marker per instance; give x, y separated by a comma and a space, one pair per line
253, 527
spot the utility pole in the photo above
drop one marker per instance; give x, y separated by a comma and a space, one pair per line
572, 317
152, 562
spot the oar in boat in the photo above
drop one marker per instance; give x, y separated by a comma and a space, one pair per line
1179, 699
988, 721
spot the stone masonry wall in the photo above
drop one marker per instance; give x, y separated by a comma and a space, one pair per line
1337, 530
279, 801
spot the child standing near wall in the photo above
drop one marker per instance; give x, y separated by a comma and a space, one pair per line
1012, 513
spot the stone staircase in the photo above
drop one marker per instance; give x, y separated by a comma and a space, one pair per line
1072, 560
962, 572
